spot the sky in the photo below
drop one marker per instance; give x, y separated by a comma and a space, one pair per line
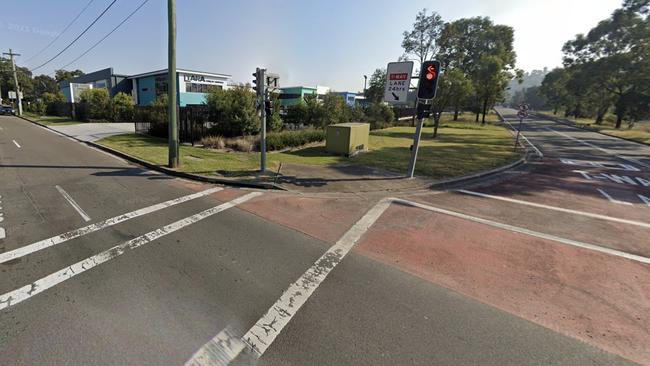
308, 42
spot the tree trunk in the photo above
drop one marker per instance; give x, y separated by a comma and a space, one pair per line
555, 110
456, 110
478, 114
436, 118
600, 115
485, 102
619, 120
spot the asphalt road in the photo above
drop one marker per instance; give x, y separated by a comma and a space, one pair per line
417, 287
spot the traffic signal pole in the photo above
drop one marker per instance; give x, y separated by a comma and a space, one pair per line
416, 141
263, 95
172, 102
425, 93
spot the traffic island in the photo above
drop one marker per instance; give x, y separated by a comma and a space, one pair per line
461, 150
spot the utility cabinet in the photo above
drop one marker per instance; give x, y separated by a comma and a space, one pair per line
347, 138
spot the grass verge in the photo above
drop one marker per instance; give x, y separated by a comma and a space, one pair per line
50, 120
459, 149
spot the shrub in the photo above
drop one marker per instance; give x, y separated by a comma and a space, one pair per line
379, 115
98, 101
213, 142
290, 139
122, 107
243, 144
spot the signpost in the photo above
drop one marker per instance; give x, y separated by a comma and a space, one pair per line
523, 113
398, 81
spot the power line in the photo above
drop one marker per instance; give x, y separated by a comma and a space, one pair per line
75, 40
61, 33
106, 36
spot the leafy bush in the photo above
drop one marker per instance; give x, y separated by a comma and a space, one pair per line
98, 102
235, 110
122, 107
290, 139
379, 115
213, 142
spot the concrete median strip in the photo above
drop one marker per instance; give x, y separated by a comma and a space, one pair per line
73, 234
23, 293
225, 347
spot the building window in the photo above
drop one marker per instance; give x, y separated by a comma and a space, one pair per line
289, 96
161, 85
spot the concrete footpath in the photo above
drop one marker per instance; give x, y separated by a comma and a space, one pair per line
90, 132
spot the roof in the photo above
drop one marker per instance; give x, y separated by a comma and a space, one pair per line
185, 71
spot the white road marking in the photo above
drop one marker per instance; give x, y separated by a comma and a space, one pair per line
554, 208
17, 144
219, 350
74, 204
73, 234
612, 200
225, 347
645, 199
598, 148
23, 293
516, 229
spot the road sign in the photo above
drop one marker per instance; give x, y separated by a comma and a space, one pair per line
398, 81
522, 114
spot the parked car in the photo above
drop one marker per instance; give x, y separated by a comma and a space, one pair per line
7, 109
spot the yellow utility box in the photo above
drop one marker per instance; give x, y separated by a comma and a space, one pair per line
347, 138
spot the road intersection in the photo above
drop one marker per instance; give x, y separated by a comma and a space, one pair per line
546, 264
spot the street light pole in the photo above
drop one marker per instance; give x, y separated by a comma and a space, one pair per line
172, 109
13, 66
365, 82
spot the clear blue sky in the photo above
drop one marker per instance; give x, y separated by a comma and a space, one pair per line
308, 42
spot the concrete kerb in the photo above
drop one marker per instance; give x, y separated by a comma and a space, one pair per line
584, 128
247, 184
165, 170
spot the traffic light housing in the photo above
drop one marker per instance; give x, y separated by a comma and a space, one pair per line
258, 81
268, 107
428, 83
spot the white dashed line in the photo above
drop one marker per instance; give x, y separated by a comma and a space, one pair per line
73, 234
21, 294
74, 204
16, 143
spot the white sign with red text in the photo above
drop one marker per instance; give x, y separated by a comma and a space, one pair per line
398, 81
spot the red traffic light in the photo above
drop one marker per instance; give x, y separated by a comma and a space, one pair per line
431, 72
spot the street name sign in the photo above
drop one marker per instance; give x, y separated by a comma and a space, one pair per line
398, 81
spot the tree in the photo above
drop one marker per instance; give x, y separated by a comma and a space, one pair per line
61, 75
376, 86
333, 110
43, 84
484, 52
554, 88
235, 111
453, 87
7, 79
421, 43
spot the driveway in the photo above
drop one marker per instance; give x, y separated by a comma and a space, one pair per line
95, 131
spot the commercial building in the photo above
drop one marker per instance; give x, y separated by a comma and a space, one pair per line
193, 86
293, 95
349, 97
105, 78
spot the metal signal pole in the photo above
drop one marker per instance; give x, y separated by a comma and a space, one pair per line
13, 65
263, 95
172, 108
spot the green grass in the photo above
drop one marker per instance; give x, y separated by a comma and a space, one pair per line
458, 150
50, 120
